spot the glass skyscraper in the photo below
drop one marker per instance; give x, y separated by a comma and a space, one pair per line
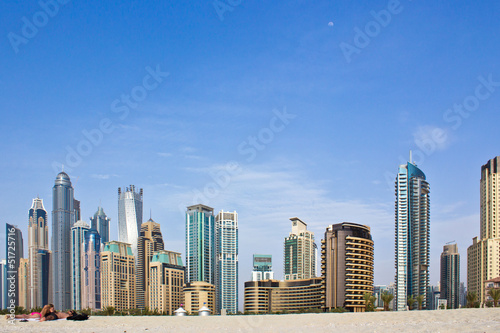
91, 270
299, 252
226, 257
38, 239
100, 223
412, 235
63, 218
200, 244
78, 233
129, 216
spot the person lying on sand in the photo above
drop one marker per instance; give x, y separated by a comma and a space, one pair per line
33, 315
52, 314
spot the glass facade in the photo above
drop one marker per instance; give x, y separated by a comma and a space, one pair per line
200, 244
100, 222
78, 233
129, 216
412, 235
63, 218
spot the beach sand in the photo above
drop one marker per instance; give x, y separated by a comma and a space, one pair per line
461, 320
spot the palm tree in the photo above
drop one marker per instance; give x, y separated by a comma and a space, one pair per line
369, 301
420, 300
386, 298
471, 299
411, 301
495, 294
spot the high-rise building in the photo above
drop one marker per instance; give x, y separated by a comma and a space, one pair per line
198, 294
3, 283
129, 216
78, 212
267, 296
38, 239
78, 232
347, 266
463, 295
100, 222
23, 270
14, 251
483, 256
63, 218
200, 244
150, 240
91, 270
44, 293
433, 297
262, 267
299, 252
166, 281
226, 257
118, 276
412, 235
450, 275
378, 290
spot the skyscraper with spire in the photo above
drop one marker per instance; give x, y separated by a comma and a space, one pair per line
63, 218
412, 235
38, 239
129, 216
100, 223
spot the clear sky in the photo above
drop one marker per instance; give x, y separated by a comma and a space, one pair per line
272, 109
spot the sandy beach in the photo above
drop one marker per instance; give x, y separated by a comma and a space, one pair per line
461, 320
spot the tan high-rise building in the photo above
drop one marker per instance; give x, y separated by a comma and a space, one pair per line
23, 283
299, 252
347, 266
197, 294
118, 276
166, 281
483, 256
267, 296
38, 239
150, 240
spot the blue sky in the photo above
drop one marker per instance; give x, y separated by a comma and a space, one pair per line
351, 119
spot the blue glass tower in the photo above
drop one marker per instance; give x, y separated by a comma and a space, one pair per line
63, 218
200, 244
100, 222
78, 233
412, 235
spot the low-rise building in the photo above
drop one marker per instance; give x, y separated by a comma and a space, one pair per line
268, 296
197, 294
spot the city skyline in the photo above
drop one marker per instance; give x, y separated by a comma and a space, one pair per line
261, 112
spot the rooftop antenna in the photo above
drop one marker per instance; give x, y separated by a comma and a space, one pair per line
63, 168
411, 161
451, 242
150, 213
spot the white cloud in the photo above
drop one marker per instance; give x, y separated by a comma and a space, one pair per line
431, 138
164, 154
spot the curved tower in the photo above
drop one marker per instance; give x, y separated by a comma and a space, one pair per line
63, 218
412, 235
129, 216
